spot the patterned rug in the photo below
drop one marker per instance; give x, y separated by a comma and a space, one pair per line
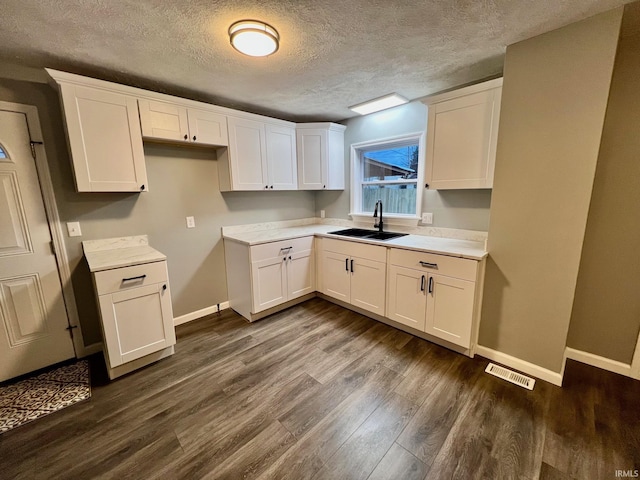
35, 397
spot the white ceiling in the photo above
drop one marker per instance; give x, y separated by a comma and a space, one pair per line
333, 54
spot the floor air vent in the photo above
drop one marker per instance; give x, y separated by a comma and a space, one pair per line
511, 376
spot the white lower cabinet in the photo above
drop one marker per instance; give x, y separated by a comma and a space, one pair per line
135, 313
278, 272
355, 273
435, 303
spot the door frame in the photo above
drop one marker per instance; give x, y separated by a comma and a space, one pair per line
635, 362
55, 224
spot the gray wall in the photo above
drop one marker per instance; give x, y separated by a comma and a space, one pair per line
554, 100
606, 311
182, 181
467, 209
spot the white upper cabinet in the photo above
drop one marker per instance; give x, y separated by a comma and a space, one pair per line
462, 133
176, 123
320, 156
261, 156
105, 139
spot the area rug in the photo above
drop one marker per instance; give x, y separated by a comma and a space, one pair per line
40, 395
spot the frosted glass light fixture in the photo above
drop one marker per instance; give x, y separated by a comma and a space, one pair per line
254, 38
377, 104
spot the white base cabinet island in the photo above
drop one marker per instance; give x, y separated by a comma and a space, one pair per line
132, 288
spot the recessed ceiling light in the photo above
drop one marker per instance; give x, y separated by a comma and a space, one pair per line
377, 104
254, 38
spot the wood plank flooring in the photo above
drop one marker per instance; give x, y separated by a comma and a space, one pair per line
319, 392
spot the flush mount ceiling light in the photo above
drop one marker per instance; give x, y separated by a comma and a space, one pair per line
254, 38
377, 104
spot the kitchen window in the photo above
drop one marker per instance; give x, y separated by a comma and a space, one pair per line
390, 170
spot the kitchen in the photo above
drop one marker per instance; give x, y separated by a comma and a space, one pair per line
196, 256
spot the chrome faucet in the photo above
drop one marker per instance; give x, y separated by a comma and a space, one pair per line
378, 223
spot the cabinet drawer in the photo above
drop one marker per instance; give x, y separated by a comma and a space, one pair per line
277, 249
441, 264
355, 249
119, 279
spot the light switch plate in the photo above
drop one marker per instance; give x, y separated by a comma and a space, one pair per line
427, 218
74, 229
191, 222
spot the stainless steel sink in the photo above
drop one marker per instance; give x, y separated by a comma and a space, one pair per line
368, 234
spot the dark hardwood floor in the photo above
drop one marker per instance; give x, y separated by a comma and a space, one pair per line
320, 392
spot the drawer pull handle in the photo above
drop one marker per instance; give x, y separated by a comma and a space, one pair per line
428, 265
430, 284
139, 277
422, 284
286, 248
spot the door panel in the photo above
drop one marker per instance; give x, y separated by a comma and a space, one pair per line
450, 309
368, 285
312, 147
207, 128
281, 157
301, 274
33, 318
269, 283
247, 149
407, 297
163, 120
336, 279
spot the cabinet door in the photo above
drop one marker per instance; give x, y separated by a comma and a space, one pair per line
335, 160
105, 140
312, 158
301, 275
247, 151
450, 309
462, 138
164, 121
336, 279
282, 163
137, 322
368, 284
207, 128
406, 297
269, 282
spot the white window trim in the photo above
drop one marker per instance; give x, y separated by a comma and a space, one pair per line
356, 173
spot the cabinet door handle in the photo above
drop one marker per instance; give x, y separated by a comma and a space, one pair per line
324, 186
194, 138
284, 259
164, 287
141, 187
430, 284
428, 265
271, 187
131, 279
186, 136
289, 257
422, 284
352, 266
346, 264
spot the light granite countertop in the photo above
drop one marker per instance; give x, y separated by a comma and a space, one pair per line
474, 250
119, 252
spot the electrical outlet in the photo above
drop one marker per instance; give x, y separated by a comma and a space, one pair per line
74, 229
191, 222
321, 213
427, 218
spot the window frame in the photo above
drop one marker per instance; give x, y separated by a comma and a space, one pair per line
357, 149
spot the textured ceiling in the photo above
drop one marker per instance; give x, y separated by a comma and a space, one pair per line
333, 54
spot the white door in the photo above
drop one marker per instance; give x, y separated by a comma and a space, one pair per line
207, 128
312, 163
269, 282
163, 120
407, 296
33, 318
300, 274
450, 309
368, 284
247, 149
336, 280
282, 160
137, 322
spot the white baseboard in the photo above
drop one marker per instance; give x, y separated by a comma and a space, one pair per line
525, 367
199, 313
598, 361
